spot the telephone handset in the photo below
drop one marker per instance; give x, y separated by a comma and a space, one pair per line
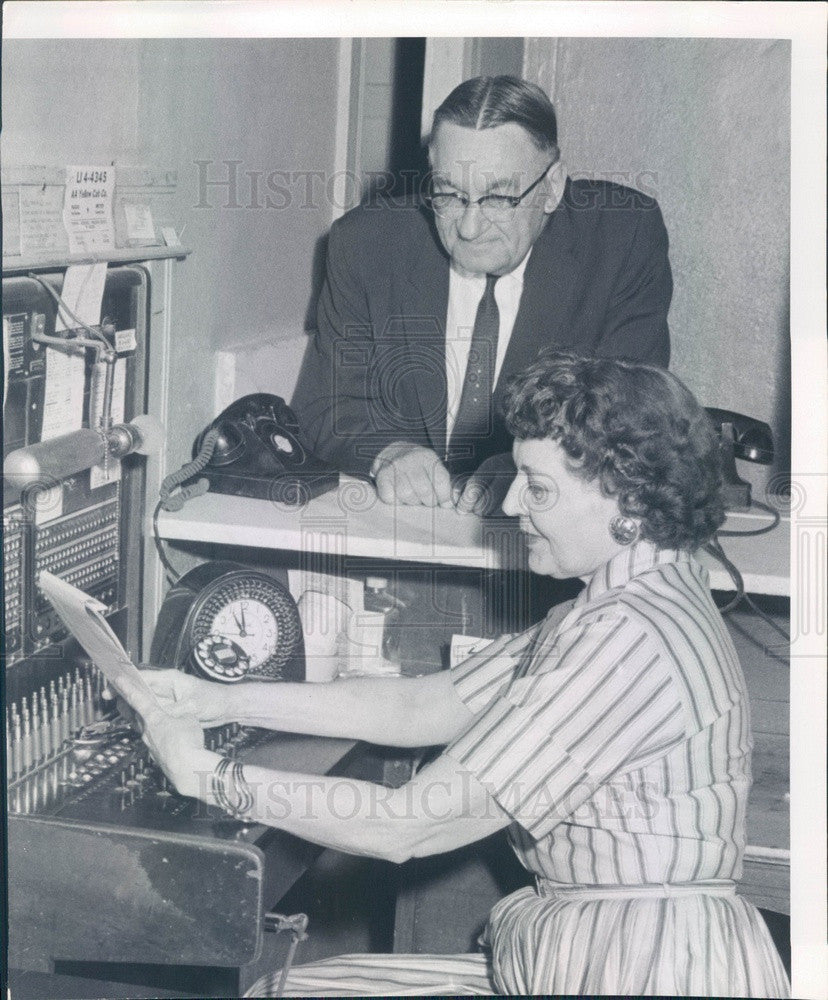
740, 437
257, 452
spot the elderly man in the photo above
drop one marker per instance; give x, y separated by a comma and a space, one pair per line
428, 309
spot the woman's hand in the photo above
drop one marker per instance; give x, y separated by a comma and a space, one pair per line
181, 694
176, 743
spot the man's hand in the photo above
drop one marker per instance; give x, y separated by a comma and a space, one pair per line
486, 489
411, 474
183, 696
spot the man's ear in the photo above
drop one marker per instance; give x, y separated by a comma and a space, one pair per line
555, 183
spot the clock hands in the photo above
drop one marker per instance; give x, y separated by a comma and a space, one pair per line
241, 624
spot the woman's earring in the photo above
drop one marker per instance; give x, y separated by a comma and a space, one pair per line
623, 529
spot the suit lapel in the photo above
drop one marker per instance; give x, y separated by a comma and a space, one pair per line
424, 308
549, 287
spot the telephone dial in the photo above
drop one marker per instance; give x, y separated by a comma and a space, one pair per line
227, 622
253, 449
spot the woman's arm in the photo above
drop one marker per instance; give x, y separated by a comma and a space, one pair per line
443, 807
401, 712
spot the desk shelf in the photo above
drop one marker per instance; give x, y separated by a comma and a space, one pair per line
352, 521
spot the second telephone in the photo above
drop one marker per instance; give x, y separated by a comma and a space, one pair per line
255, 450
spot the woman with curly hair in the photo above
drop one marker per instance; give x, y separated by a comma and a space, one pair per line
612, 740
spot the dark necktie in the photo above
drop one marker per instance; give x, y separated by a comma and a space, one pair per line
474, 414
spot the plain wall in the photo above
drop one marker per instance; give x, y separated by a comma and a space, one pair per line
170, 103
704, 126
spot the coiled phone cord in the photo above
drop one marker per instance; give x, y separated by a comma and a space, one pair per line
172, 501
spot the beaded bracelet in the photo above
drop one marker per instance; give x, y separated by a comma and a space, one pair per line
238, 800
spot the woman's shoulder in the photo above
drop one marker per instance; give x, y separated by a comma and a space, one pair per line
665, 597
674, 608
593, 623
678, 590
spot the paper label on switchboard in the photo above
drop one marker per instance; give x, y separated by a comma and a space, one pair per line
48, 504
11, 222
139, 225
110, 470
63, 392
125, 341
82, 291
7, 335
41, 229
87, 208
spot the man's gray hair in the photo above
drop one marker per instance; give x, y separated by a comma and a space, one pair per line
488, 101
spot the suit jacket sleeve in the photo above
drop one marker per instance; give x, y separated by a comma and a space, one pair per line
331, 398
636, 318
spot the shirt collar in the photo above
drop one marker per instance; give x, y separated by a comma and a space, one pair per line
638, 558
515, 275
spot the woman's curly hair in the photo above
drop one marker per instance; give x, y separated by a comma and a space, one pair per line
636, 430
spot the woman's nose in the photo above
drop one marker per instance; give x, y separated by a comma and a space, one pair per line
510, 505
472, 222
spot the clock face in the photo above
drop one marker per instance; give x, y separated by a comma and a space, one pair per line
252, 625
255, 612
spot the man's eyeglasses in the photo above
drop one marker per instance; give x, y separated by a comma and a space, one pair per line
495, 207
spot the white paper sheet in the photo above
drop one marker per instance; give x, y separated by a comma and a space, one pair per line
139, 222
63, 395
41, 220
87, 209
83, 616
82, 291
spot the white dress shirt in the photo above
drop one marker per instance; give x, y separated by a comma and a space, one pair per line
465, 294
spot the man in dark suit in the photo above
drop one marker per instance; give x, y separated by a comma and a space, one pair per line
427, 310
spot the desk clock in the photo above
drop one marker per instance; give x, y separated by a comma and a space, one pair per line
220, 608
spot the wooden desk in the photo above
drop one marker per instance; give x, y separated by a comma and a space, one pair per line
352, 521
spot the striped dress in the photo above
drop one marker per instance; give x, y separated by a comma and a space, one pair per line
619, 743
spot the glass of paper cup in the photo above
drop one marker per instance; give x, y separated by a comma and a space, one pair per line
324, 624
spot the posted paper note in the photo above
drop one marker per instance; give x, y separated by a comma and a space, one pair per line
87, 209
83, 616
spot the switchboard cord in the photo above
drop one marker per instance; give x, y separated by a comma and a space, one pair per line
173, 498
64, 308
714, 549
767, 619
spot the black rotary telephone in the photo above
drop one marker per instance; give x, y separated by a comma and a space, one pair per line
740, 437
255, 450
252, 449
